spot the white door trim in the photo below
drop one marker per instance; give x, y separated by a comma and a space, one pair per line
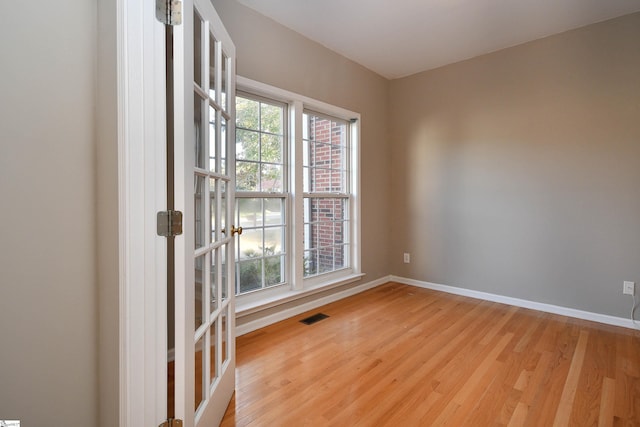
141, 193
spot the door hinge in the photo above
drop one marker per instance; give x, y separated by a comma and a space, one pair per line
169, 11
171, 423
169, 223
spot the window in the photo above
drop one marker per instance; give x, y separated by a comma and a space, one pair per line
297, 192
326, 193
260, 193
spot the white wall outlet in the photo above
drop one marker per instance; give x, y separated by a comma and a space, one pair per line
629, 288
407, 258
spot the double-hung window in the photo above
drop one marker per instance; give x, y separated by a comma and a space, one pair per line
326, 193
297, 193
261, 192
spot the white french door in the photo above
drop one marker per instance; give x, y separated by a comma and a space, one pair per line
204, 183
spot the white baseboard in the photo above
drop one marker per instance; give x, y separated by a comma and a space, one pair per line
547, 308
294, 311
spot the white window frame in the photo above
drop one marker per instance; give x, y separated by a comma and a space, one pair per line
298, 286
286, 167
318, 195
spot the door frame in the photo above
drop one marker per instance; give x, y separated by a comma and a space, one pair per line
141, 194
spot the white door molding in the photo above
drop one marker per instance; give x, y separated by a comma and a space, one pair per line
141, 193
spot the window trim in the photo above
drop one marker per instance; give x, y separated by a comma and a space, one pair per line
298, 286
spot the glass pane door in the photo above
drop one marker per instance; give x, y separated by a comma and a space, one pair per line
204, 309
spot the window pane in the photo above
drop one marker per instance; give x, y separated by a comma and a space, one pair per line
339, 233
310, 263
247, 145
225, 82
271, 178
199, 286
326, 156
339, 211
223, 208
274, 211
324, 209
213, 368
259, 243
247, 113
271, 118
340, 257
224, 330
306, 179
273, 270
199, 372
271, 148
321, 155
213, 208
197, 49
337, 181
212, 67
247, 176
213, 296
338, 133
273, 241
223, 281
250, 245
249, 275
249, 213
309, 242
305, 153
321, 180
212, 138
311, 236
223, 145
325, 259
337, 156
306, 125
199, 204
198, 131
320, 129
307, 210
325, 232
214, 283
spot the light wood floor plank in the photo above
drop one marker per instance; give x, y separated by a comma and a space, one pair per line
571, 385
498, 326
473, 382
519, 415
397, 355
607, 402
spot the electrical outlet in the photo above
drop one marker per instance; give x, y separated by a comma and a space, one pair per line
407, 258
629, 288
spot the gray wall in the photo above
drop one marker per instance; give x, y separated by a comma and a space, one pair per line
516, 172
48, 301
107, 217
272, 54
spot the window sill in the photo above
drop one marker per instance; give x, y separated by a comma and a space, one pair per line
291, 295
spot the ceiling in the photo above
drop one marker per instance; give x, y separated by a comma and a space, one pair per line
397, 38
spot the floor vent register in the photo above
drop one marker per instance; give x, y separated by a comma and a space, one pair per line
313, 319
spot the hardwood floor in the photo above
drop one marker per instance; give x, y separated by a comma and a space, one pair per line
398, 355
